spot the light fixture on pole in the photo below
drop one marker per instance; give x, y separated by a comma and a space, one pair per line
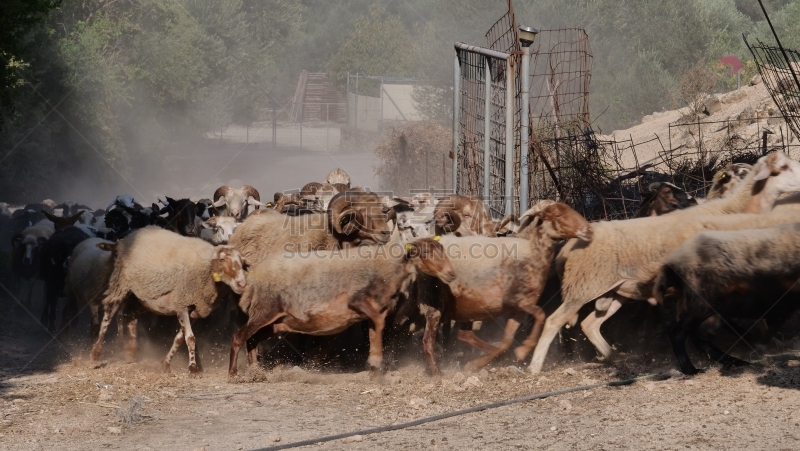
526, 37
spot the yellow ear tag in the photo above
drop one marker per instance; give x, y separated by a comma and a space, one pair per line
269, 204
216, 277
437, 238
409, 247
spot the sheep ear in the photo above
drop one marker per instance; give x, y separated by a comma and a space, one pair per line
763, 173
220, 202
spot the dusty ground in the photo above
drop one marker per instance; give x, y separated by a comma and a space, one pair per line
61, 401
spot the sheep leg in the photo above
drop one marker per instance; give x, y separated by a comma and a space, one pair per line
432, 319
508, 339
370, 309
188, 335
48, 318
469, 337
563, 314
131, 347
716, 354
165, 363
252, 344
591, 328
253, 325
101, 335
539, 316
677, 336
94, 310
29, 299
68, 314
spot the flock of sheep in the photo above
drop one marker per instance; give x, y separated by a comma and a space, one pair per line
330, 256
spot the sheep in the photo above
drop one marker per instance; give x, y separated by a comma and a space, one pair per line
69, 208
26, 247
53, 256
325, 292
218, 229
124, 200
88, 270
727, 179
502, 276
338, 176
353, 218
728, 274
181, 216
624, 256
662, 198
235, 202
461, 215
169, 274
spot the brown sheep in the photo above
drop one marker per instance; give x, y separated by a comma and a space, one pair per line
325, 292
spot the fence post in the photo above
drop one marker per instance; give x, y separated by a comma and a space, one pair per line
274, 128
327, 126
524, 129
355, 110
509, 182
487, 128
456, 113
347, 97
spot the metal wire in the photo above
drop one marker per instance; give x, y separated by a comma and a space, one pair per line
779, 80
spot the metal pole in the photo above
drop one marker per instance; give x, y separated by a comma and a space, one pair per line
524, 129
355, 116
301, 132
274, 128
456, 113
381, 94
509, 182
347, 98
487, 127
327, 125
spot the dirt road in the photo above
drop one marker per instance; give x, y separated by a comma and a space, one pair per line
61, 401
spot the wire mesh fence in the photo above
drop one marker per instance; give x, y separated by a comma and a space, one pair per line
604, 179
780, 71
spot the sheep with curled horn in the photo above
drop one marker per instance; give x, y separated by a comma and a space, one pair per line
354, 217
236, 202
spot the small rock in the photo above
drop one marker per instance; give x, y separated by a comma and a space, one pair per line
353, 439
649, 386
297, 368
106, 395
570, 372
473, 381
418, 403
115, 430
459, 378
566, 405
727, 412
755, 80
483, 373
274, 438
514, 369
18, 402
589, 381
553, 428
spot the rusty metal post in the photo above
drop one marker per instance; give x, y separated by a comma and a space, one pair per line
456, 113
487, 128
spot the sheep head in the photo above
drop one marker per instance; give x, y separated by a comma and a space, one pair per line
338, 175
429, 256
236, 201
560, 221
358, 217
661, 198
779, 171
727, 179
27, 245
460, 215
228, 268
63, 222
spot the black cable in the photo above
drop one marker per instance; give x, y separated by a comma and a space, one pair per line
454, 413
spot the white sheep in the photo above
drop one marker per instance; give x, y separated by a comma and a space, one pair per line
169, 274
622, 260
88, 270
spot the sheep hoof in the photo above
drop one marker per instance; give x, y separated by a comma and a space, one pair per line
165, 367
472, 367
434, 372
95, 355
520, 353
194, 371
